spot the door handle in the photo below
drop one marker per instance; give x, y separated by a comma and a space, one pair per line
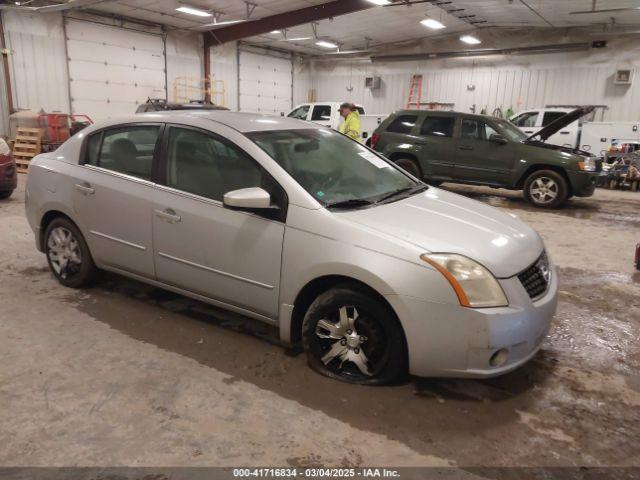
565, 133
169, 214
465, 147
528, 131
86, 189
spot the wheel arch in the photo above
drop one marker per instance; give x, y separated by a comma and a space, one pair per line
312, 289
543, 166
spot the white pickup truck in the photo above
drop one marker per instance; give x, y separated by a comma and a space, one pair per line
594, 137
328, 114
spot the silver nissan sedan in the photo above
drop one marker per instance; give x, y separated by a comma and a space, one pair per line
375, 273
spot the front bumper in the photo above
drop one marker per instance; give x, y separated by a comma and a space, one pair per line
8, 176
583, 184
447, 340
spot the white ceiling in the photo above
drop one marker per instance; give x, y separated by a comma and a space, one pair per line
384, 25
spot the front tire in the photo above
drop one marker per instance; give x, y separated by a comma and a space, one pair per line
5, 194
546, 189
68, 254
354, 337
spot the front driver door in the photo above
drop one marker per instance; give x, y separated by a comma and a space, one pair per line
479, 160
226, 255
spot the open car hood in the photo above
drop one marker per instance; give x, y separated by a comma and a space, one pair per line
559, 124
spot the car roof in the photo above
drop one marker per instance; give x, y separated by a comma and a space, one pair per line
448, 113
240, 121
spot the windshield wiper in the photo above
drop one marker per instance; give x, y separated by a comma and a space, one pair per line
351, 203
412, 190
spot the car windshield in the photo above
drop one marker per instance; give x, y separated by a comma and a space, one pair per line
511, 132
336, 170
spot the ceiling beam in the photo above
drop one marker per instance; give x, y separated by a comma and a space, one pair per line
279, 21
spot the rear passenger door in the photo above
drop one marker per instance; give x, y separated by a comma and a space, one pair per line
227, 255
112, 196
436, 146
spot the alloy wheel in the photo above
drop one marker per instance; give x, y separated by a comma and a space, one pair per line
64, 252
544, 190
351, 344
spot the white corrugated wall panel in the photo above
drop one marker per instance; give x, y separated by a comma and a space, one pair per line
111, 69
37, 61
224, 73
518, 82
184, 66
265, 81
4, 106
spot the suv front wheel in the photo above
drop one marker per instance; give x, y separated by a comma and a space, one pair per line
546, 189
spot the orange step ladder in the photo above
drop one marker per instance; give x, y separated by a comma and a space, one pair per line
415, 92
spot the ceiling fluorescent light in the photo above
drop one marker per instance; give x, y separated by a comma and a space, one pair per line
380, 2
471, 40
296, 39
325, 44
194, 11
275, 32
433, 24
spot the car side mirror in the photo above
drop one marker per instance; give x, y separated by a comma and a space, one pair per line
254, 198
499, 139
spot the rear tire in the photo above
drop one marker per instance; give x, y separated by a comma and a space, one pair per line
68, 254
546, 189
6, 194
410, 166
352, 336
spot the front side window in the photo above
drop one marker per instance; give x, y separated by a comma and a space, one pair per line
321, 113
402, 124
330, 166
476, 130
437, 127
209, 166
300, 113
127, 149
526, 120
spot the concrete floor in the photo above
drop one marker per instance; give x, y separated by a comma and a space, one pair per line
125, 374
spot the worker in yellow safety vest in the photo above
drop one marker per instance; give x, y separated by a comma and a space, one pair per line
350, 126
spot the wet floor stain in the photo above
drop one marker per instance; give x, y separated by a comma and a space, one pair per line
595, 330
622, 214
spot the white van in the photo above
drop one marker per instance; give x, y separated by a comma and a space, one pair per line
531, 121
328, 114
593, 137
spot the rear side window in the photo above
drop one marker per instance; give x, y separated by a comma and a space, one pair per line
402, 124
127, 150
300, 113
549, 117
321, 112
437, 127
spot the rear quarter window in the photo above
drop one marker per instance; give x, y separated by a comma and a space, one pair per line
402, 124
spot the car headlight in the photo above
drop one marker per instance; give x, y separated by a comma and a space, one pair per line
587, 164
474, 285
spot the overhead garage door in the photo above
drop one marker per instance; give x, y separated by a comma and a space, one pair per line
113, 69
266, 81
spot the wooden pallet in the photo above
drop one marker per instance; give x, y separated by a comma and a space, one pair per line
27, 145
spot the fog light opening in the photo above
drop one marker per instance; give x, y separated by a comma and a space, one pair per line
499, 357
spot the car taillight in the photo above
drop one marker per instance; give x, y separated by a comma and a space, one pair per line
374, 139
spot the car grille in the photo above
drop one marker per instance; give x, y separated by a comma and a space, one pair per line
536, 278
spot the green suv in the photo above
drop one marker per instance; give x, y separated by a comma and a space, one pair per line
480, 150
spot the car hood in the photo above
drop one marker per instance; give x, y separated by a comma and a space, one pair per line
559, 124
443, 222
